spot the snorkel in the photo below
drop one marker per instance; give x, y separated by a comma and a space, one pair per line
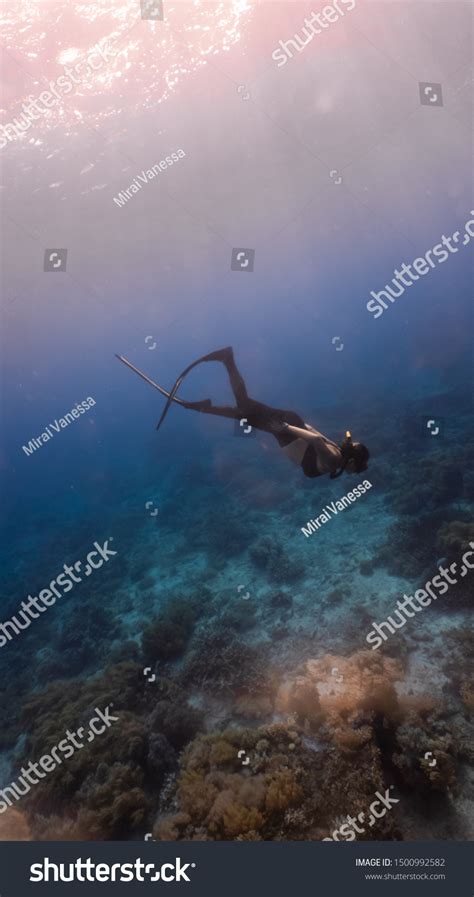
346, 445
355, 456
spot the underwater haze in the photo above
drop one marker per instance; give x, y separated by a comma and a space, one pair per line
252, 617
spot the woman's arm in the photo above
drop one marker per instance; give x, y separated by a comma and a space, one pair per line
328, 452
301, 433
310, 434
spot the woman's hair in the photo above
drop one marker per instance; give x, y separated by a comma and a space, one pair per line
360, 454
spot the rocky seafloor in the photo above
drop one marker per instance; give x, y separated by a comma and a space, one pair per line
265, 715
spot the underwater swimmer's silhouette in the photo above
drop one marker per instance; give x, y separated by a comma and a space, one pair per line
305, 446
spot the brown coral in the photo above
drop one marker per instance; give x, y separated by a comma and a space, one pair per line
466, 691
286, 780
283, 791
105, 789
14, 826
335, 687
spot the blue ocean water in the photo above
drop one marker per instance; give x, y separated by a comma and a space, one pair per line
415, 361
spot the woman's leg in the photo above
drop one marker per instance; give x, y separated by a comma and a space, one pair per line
226, 356
259, 415
206, 407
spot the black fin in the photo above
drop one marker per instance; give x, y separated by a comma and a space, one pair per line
213, 356
170, 396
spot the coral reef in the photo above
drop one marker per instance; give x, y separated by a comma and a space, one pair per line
221, 532
236, 618
171, 716
289, 790
453, 538
432, 487
341, 714
403, 552
458, 666
14, 826
107, 789
335, 689
168, 634
269, 555
226, 665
